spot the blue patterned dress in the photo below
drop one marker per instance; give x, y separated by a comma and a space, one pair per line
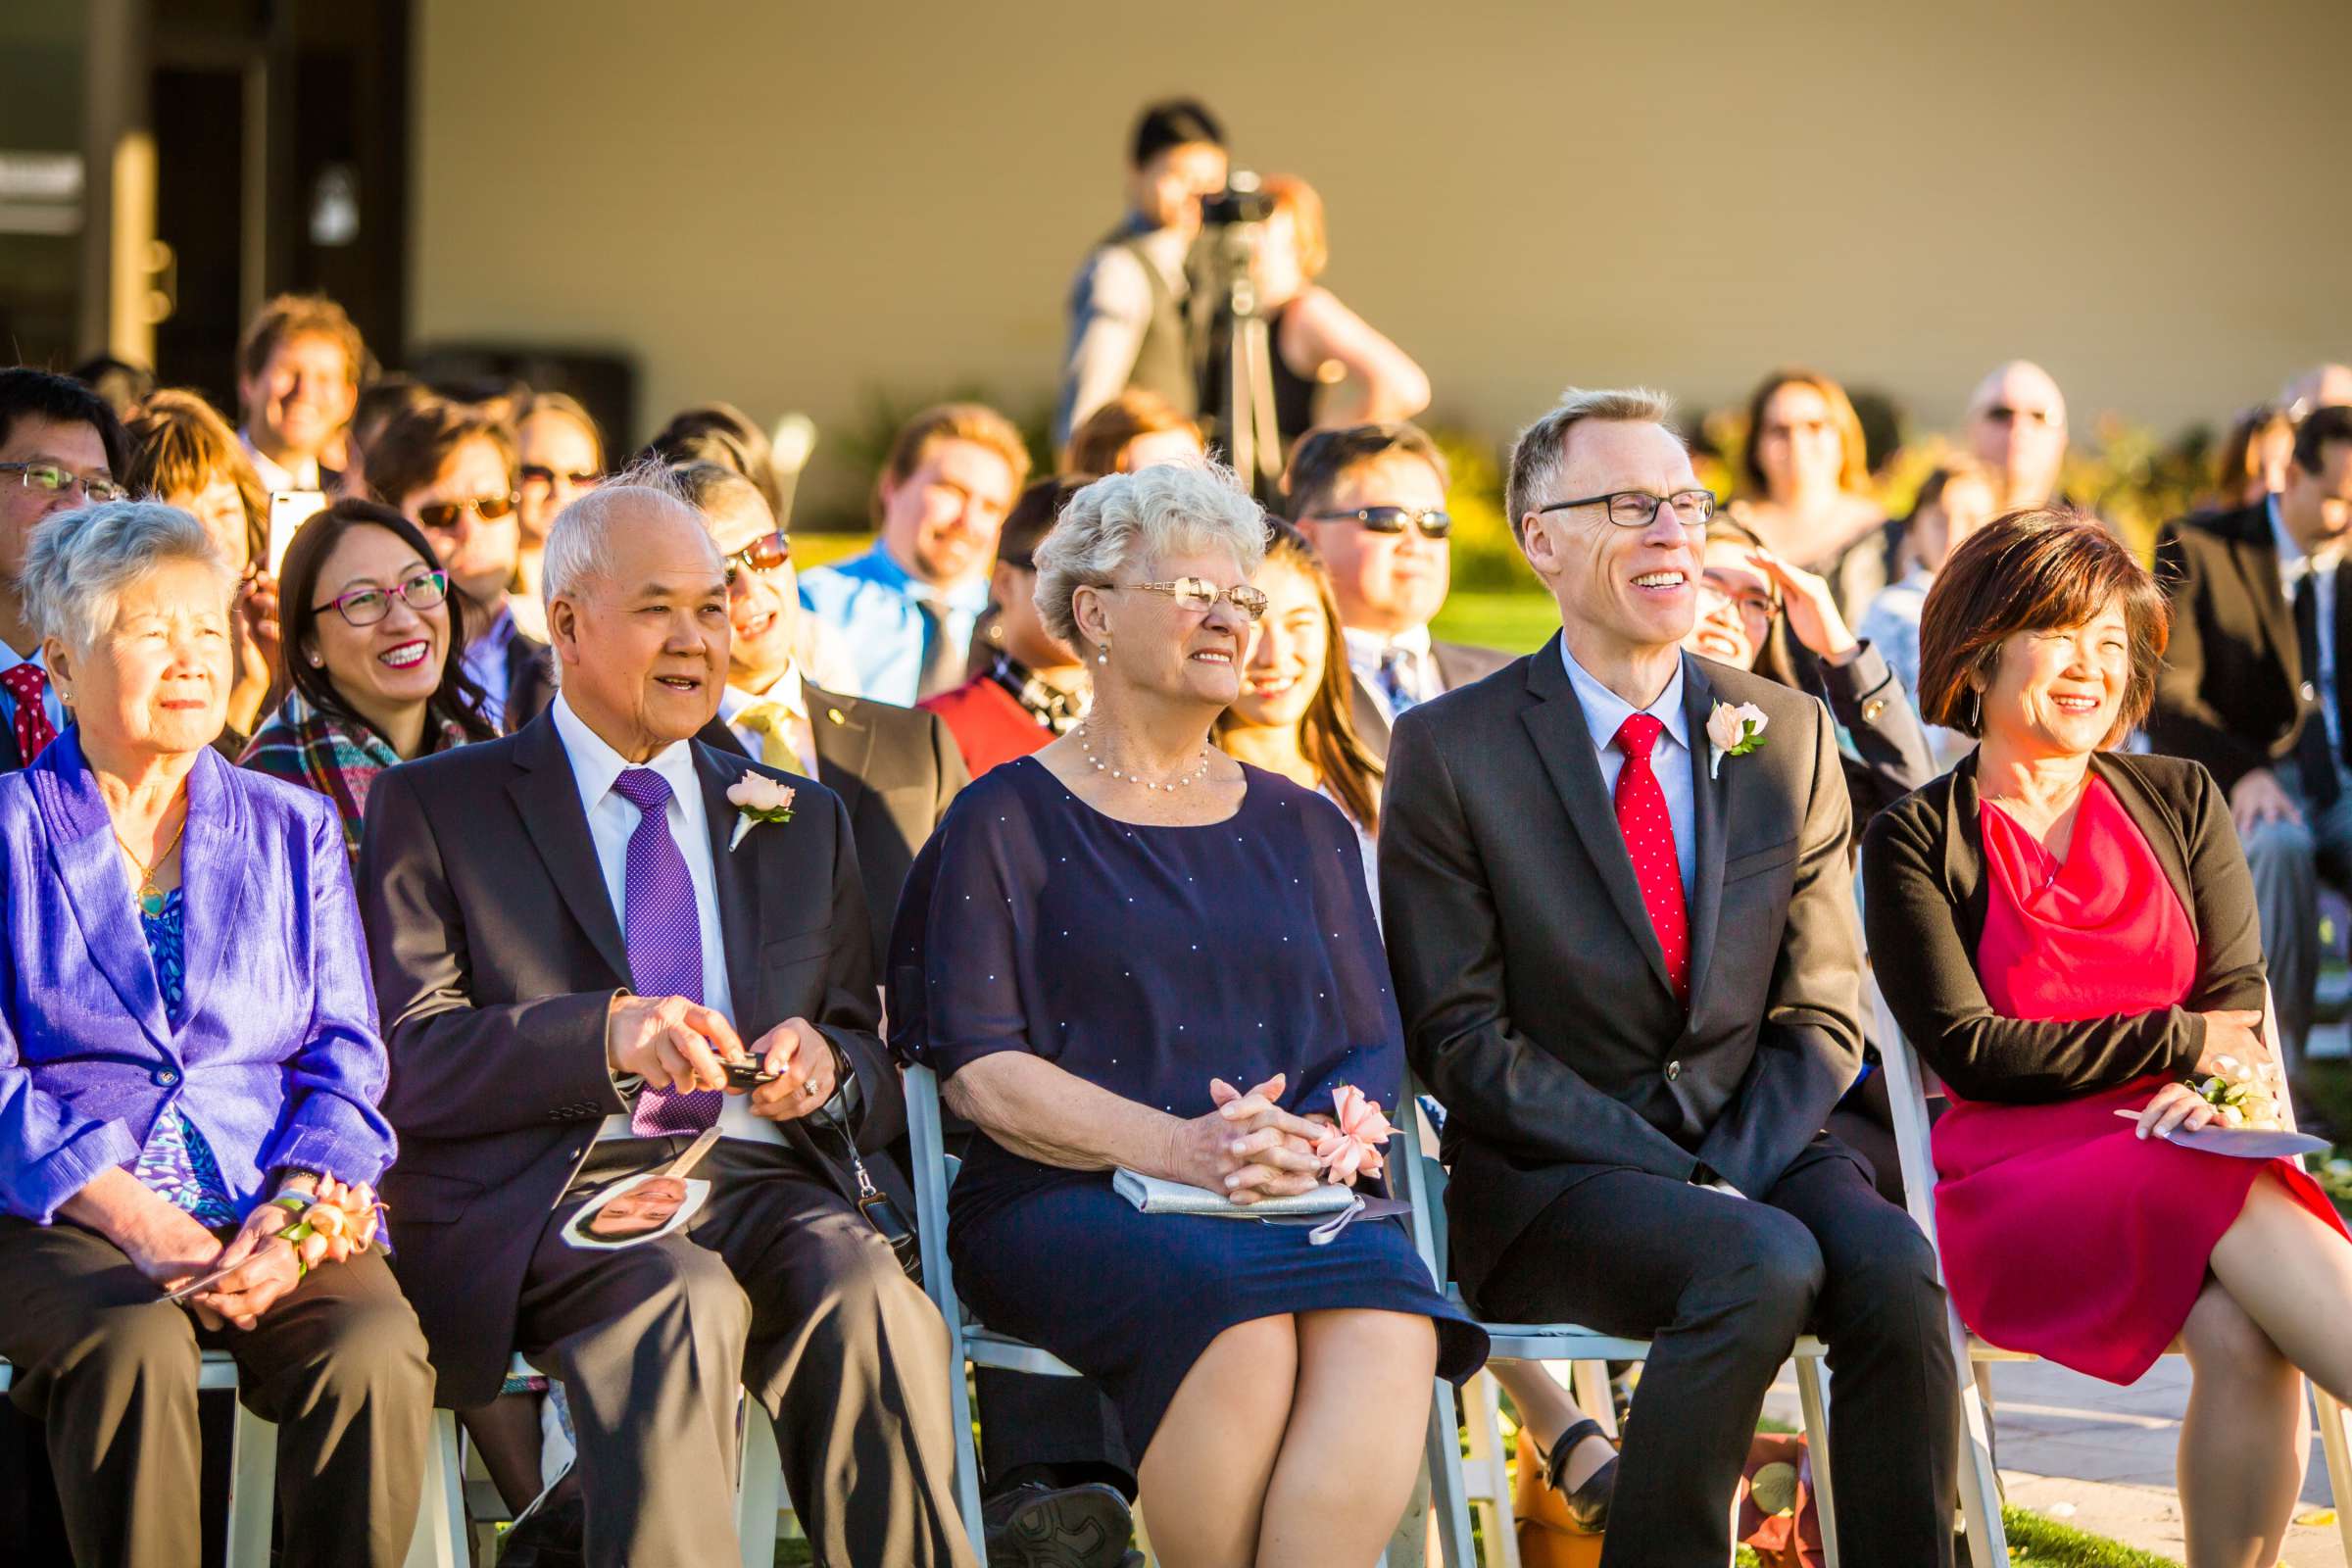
176, 1162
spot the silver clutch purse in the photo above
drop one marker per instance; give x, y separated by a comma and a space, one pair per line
1156, 1196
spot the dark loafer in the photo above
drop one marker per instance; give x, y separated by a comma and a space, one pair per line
1084, 1526
1588, 1505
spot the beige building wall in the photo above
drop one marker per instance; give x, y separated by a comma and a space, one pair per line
802, 206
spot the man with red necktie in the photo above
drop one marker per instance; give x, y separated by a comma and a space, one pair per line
61, 447
1617, 904
570, 927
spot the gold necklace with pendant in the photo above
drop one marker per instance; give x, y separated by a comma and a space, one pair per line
150, 898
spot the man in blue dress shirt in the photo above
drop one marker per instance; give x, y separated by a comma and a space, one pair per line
907, 607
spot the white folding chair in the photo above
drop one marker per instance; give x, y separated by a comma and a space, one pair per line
968, 1339
1420, 1181
447, 1523
1907, 1089
253, 1481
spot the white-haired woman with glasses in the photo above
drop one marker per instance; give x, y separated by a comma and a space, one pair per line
1131, 951
188, 1059
376, 643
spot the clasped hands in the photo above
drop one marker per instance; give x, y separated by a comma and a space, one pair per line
675, 1044
1251, 1149
170, 1248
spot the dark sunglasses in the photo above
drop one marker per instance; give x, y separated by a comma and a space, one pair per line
539, 473
1435, 522
364, 606
444, 514
763, 554
2003, 413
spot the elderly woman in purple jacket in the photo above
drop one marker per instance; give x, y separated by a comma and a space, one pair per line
188, 1051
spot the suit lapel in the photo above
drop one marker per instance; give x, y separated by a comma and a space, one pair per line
844, 744
1555, 722
2257, 557
1711, 834
719, 737
81, 846
548, 800
735, 874
212, 870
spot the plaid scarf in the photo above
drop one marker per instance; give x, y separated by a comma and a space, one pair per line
319, 751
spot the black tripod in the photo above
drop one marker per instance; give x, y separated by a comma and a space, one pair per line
1237, 379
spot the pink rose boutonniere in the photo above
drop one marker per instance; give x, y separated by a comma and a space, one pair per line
758, 799
1733, 732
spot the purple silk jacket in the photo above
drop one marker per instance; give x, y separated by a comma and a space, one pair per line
279, 1062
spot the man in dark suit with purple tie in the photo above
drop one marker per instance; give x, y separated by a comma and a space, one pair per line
1619, 914
571, 927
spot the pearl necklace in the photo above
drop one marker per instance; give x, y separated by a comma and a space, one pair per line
1087, 747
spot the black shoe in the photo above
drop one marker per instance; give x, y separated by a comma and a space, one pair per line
1057, 1527
551, 1534
1588, 1505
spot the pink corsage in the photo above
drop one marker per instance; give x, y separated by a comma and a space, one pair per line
1351, 1148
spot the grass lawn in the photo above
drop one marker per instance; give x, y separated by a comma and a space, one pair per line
1517, 622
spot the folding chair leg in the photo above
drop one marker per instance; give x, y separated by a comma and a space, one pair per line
759, 1493
251, 1488
1449, 1502
1589, 1386
1979, 1485
441, 1538
967, 1453
1482, 1425
2334, 1443
1817, 1436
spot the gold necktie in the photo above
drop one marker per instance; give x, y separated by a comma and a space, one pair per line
786, 738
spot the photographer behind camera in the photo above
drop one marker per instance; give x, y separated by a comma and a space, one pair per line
1127, 306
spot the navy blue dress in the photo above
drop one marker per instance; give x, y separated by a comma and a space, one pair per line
1148, 960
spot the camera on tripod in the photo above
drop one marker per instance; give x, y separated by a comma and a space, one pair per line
1236, 389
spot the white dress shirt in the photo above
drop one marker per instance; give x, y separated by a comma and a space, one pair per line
1606, 712
276, 476
788, 691
612, 820
1367, 651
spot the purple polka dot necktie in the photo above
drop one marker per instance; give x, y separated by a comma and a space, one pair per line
665, 937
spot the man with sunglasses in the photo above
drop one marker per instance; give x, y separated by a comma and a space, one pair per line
451, 469
1372, 497
61, 447
2017, 428
894, 768
1620, 921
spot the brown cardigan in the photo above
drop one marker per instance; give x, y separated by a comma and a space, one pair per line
1924, 902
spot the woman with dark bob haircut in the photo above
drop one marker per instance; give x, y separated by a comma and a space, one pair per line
374, 654
2068, 934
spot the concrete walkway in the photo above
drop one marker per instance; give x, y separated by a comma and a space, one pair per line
2100, 1458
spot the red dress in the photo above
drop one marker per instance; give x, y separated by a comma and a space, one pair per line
989, 723
2064, 1233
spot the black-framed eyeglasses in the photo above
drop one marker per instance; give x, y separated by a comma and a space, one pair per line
540, 474
763, 554
444, 514
51, 479
1756, 604
364, 606
1200, 596
1637, 509
1435, 522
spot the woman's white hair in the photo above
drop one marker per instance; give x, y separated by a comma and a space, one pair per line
79, 562
1126, 520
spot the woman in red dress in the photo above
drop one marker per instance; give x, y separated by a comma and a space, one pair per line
2067, 932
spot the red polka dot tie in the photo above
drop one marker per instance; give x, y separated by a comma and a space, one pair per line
26, 684
1649, 840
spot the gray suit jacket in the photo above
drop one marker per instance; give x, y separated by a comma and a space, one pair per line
1534, 989
1458, 665
896, 769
